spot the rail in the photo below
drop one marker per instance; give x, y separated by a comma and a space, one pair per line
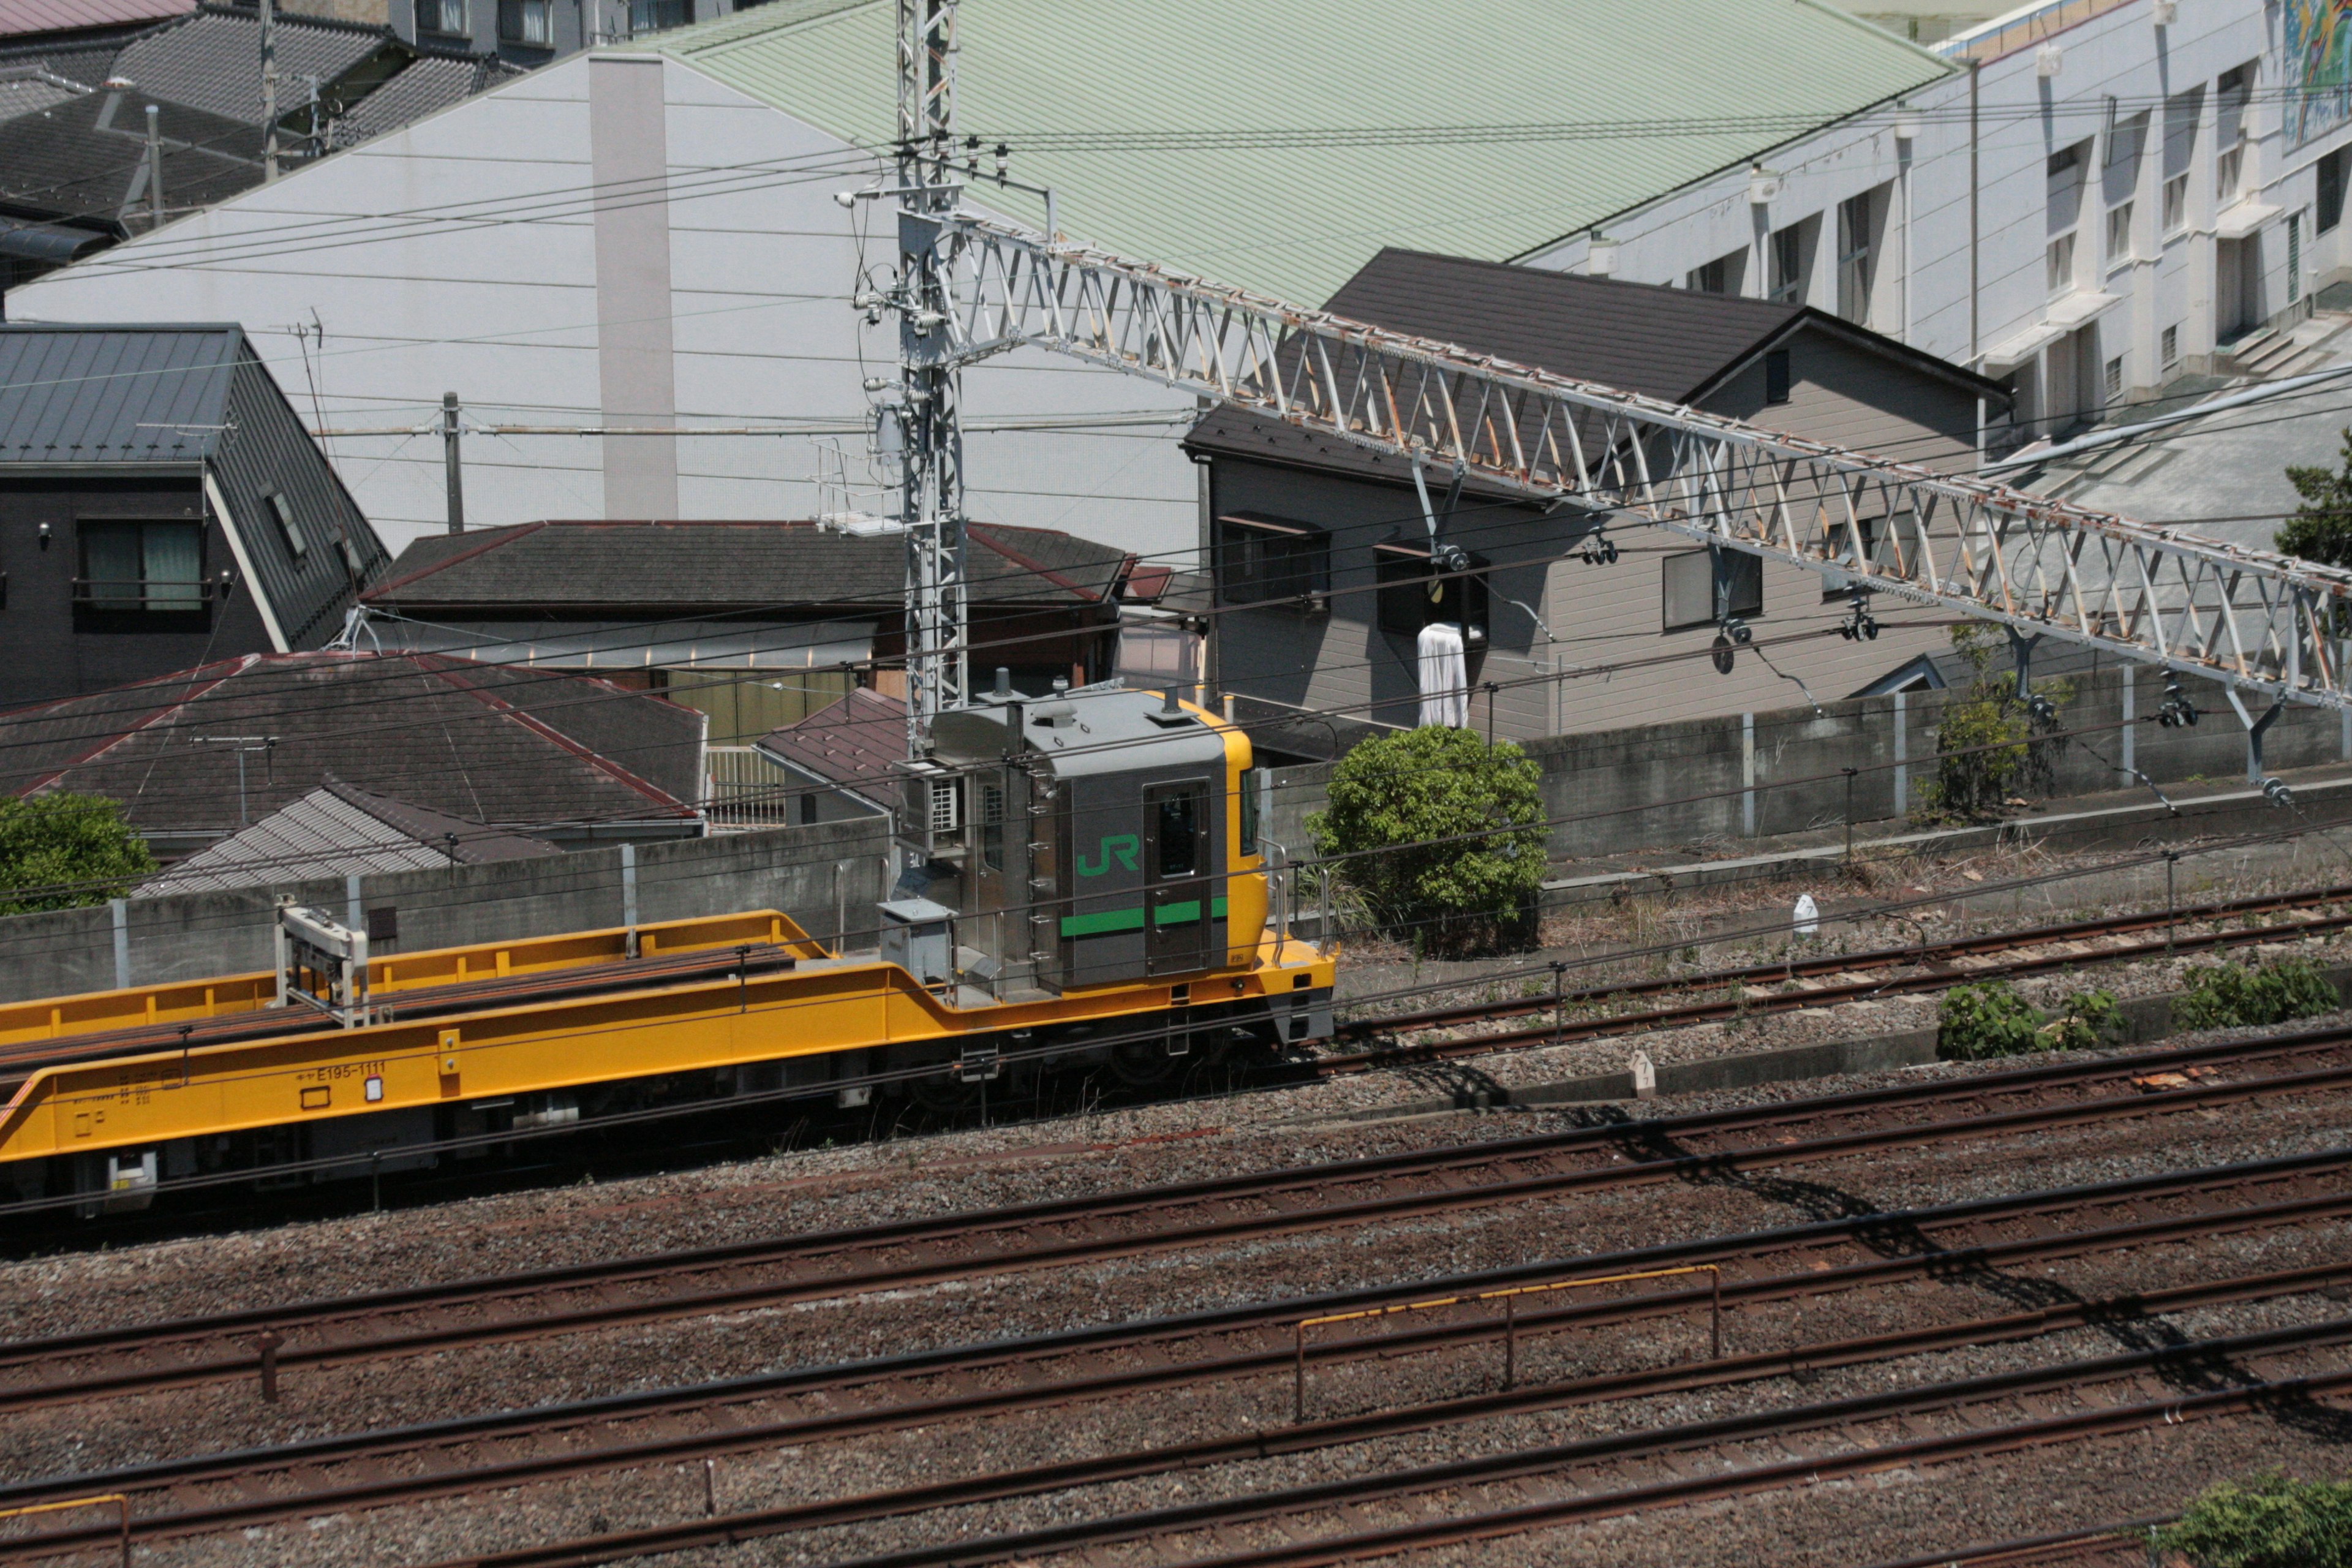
1510, 1296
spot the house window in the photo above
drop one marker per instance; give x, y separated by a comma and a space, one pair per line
282, 511
152, 566
1690, 582
2232, 90
2169, 343
2228, 170
654, 16
526, 22
1853, 257
1877, 548
2331, 190
1720, 275
2119, 234
1261, 559
445, 16
1412, 595
2294, 258
1776, 376
2114, 379
2058, 266
2175, 204
1789, 265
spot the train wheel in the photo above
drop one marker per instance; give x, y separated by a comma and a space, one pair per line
946, 1095
1144, 1063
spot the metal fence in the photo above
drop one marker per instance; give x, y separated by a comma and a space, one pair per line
744, 789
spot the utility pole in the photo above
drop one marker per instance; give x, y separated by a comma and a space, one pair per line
450, 461
931, 494
268, 90
154, 169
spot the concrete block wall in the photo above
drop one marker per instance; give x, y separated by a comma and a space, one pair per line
807, 872
1708, 783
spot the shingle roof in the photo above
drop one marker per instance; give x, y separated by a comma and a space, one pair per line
84, 157
1277, 144
853, 742
212, 60
114, 395
488, 744
587, 567
338, 830
22, 16
1670, 343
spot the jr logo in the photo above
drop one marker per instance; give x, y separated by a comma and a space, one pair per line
1122, 847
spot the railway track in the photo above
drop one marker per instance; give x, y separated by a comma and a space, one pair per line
1167, 1219
1827, 980
207, 1349
2197, 1379
1965, 1246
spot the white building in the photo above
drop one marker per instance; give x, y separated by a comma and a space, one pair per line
646, 237
2107, 196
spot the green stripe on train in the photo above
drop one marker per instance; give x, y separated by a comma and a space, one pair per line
1109, 922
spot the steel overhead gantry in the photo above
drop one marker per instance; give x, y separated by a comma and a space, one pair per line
2266, 626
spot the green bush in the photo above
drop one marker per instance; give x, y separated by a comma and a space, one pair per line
1988, 743
1990, 1019
2270, 1521
78, 845
2234, 996
1405, 806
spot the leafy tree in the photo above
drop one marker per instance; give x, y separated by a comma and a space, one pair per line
1420, 811
2321, 527
78, 845
2270, 1521
1985, 741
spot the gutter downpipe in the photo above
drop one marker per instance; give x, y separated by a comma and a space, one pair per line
1975, 341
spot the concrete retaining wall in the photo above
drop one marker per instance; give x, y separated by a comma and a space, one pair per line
1759, 775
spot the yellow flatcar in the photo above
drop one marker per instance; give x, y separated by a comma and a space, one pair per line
1082, 882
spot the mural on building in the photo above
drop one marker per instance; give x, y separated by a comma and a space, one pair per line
2319, 66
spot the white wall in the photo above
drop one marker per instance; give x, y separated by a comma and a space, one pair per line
2021, 119
462, 254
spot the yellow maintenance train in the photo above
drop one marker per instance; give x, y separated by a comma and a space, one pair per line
1083, 884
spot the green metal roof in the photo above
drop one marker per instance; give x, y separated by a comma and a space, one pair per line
1285, 208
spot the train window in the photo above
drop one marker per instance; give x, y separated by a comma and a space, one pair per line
1254, 785
1176, 835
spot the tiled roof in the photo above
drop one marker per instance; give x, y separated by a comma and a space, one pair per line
1276, 144
212, 60
586, 567
84, 157
853, 742
511, 747
337, 830
431, 83
28, 88
22, 17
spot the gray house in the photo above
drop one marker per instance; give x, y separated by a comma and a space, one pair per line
1573, 620
161, 505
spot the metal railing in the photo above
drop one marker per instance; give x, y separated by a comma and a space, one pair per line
144, 593
742, 789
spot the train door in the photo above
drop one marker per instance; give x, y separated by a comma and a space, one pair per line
988, 924
1179, 878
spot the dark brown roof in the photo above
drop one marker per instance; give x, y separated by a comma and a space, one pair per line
853, 742
589, 568
489, 744
1670, 343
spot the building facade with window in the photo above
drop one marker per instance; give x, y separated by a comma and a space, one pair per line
533, 32
160, 504
2099, 198
1327, 567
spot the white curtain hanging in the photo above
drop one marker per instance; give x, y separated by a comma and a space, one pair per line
1445, 676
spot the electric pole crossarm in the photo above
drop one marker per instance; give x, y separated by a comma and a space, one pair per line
2257, 621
